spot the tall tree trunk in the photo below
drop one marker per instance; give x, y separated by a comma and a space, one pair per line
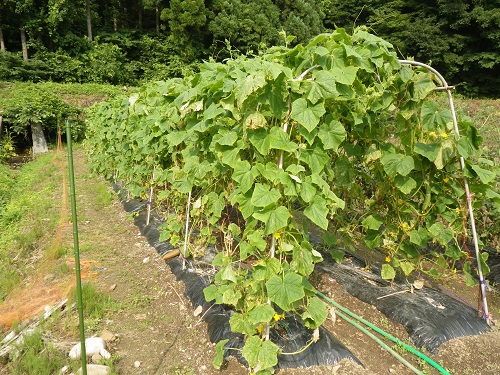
1, 128
24, 45
2, 42
89, 21
140, 14
157, 19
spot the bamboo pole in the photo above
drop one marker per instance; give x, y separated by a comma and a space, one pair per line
77, 250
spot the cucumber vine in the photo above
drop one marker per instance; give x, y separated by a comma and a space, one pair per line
335, 135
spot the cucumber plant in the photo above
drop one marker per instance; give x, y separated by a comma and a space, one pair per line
334, 135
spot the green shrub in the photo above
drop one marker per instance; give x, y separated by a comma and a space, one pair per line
32, 104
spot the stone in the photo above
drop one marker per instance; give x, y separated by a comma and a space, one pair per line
107, 336
96, 358
137, 364
92, 345
93, 369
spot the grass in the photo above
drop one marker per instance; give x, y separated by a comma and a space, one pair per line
35, 356
28, 216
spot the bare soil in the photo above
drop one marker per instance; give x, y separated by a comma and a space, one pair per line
155, 332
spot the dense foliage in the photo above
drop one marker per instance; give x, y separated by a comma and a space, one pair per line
133, 41
334, 136
25, 104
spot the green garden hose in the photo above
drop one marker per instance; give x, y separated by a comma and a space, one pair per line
380, 331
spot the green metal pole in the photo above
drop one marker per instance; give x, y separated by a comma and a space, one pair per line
77, 249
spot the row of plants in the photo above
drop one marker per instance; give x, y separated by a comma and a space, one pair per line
335, 136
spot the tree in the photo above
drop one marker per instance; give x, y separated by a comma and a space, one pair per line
246, 24
89, 19
301, 18
187, 20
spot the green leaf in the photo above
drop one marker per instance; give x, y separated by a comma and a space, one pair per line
262, 353
332, 135
231, 297
469, 279
397, 163
212, 112
317, 212
345, 75
284, 291
279, 140
484, 175
405, 184
263, 195
248, 85
420, 237
219, 350
307, 191
240, 323
307, 116
256, 240
228, 139
261, 313
277, 219
244, 175
484, 266
259, 138
210, 293
434, 118
388, 273
423, 86
302, 261
406, 267
175, 138
444, 236
322, 87
315, 314
373, 222
429, 150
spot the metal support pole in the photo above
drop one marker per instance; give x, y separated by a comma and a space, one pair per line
482, 281
77, 250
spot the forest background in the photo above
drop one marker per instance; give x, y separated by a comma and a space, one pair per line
128, 42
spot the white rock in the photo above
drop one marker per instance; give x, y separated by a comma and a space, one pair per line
145, 260
96, 370
137, 364
92, 345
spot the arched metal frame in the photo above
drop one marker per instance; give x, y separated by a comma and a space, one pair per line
486, 315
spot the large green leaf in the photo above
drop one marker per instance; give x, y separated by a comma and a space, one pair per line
261, 313
244, 175
248, 85
305, 115
317, 212
315, 314
277, 220
228, 139
484, 175
345, 75
322, 87
420, 237
262, 353
283, 291
405, 184
263, 195
332, 134
280, 140
428, 150
434, 118
397, 163
259, 138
